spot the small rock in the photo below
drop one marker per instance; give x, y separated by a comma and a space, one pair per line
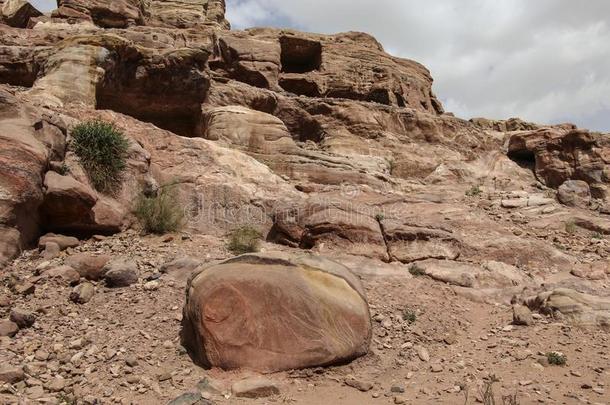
65, 273
190, 398
82, 293
423, 354
131, 361
23, 319
56, 384
11, 375
121, 273
51, 251
522, 315
152, 285
397, 389
25, 288
255, 387
5, 301
436, 367
8, 328
400, 400
88, 265
360, 385
62, 241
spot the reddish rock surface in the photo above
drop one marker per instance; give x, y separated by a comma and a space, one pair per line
313, 313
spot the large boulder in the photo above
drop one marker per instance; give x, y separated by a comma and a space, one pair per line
574, 193
17, 13
275, 312
579, 308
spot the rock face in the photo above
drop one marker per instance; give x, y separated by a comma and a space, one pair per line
17, 13
559, 155
583, 309
272, 313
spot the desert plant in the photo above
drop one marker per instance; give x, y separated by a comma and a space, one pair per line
416, 271
379, 217
63, 169
245, 239
102, 150
556, 359
409, 315
597, 235
570, 227
160, 213
474, 191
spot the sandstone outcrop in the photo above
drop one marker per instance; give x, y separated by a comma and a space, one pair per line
314, 313
17, 13
581, 308
557, 156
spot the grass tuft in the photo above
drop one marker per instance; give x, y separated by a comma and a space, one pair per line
245, 239
102, 150
161, 213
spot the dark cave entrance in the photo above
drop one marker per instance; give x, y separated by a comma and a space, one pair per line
524, 158
300, 55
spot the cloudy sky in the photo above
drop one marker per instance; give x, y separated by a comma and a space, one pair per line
543, 60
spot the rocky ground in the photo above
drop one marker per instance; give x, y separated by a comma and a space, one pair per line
430, 343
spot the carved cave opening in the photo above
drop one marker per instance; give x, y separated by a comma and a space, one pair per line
300, 55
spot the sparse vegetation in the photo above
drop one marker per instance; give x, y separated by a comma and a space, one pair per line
102, 150
379, 217
416, 271
63, 169
570, 227
474, 191
409, 315
488, 396
391, 165
245, 239
597, 235
556, 359
161, 213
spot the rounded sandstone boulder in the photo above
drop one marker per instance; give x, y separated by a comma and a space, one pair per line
275, 312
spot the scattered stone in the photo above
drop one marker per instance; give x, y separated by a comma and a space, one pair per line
255, 387
152, 285
436, 367
8, 328
64, 242
121, 273
65, 273
25, 288
423, 354
360, 385
10, 374
190, 398
51, 251
5, 301
88, 265
397, 389
400, 400
82, 293
522, 315
23, 318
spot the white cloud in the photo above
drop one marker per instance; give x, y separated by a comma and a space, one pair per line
543, 60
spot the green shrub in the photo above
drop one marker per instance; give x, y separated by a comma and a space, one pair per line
102, 150
409, 315
63, 169
416, 271
597, 235
570, 227
161, 213
474, 191
556, 359
245, 239
379, 217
